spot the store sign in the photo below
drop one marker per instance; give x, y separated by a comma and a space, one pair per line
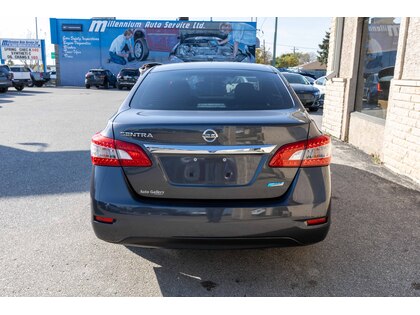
22, 49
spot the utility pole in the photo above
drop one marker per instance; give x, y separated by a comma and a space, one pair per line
36, 32
273, 62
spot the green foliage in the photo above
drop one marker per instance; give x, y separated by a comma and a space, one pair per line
287, 60
263, 55
323, 53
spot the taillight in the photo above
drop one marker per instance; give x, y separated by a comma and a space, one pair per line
307, 153
378, 87
109, 152
317, 221
103, 219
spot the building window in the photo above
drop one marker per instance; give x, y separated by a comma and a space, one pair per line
377, 63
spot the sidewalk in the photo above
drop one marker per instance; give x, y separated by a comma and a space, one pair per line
346, 154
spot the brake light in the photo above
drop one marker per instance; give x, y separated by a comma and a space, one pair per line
103, 219
317, 221
307, 153
109, 152
378, 87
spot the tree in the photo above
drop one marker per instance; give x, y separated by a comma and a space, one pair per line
287, 60
263, 55
323, 53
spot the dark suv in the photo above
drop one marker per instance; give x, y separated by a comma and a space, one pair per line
100, 77
5, 78
127, 78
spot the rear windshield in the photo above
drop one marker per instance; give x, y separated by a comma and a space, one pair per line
4, 70
97, 72
295, 78
133, 72
212, 90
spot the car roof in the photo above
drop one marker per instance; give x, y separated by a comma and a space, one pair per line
97, 70
214, 65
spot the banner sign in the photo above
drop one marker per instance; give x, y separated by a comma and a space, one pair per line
22, 49
115, 44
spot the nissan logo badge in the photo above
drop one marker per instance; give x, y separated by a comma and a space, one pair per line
210, 135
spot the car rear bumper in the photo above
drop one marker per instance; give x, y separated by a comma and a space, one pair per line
6, 84
211, 224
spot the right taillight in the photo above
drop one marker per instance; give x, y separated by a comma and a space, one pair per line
109, 152
378, 87
307, 153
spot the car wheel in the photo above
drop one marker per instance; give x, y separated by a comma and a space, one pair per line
19, 87
141, 50
39, 84
87, 86
106, 84
4, 90
119, 87
30, 83
313, 109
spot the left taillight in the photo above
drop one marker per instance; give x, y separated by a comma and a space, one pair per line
109, 152
307, 153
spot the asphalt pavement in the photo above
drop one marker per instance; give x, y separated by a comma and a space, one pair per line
48, 247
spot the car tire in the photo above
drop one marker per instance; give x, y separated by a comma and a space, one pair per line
4, 90
19, 87
87, 86
119, 87
30, 83
39, 84
141, 50
313, 109
106, 84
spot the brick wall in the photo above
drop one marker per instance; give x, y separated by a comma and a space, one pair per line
332, 120
402, 129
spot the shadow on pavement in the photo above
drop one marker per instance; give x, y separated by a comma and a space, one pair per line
371, 250
25, 173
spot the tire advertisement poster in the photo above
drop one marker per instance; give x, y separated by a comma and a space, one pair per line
116, 44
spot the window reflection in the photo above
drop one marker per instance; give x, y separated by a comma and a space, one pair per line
378, 61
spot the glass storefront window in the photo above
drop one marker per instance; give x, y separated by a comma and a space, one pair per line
378, 55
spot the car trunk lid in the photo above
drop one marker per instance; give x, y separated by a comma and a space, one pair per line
210, 154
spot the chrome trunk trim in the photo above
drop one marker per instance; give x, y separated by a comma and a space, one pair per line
209, 149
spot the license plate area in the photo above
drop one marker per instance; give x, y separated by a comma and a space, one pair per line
210, 170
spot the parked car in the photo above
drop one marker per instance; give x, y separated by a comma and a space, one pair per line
184, 163
370, 89
21, 76
203, 46
53, 76
309, 95
6, 78
310, 79
320, 84
39, 78
100, 77
127, 78
384, 82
